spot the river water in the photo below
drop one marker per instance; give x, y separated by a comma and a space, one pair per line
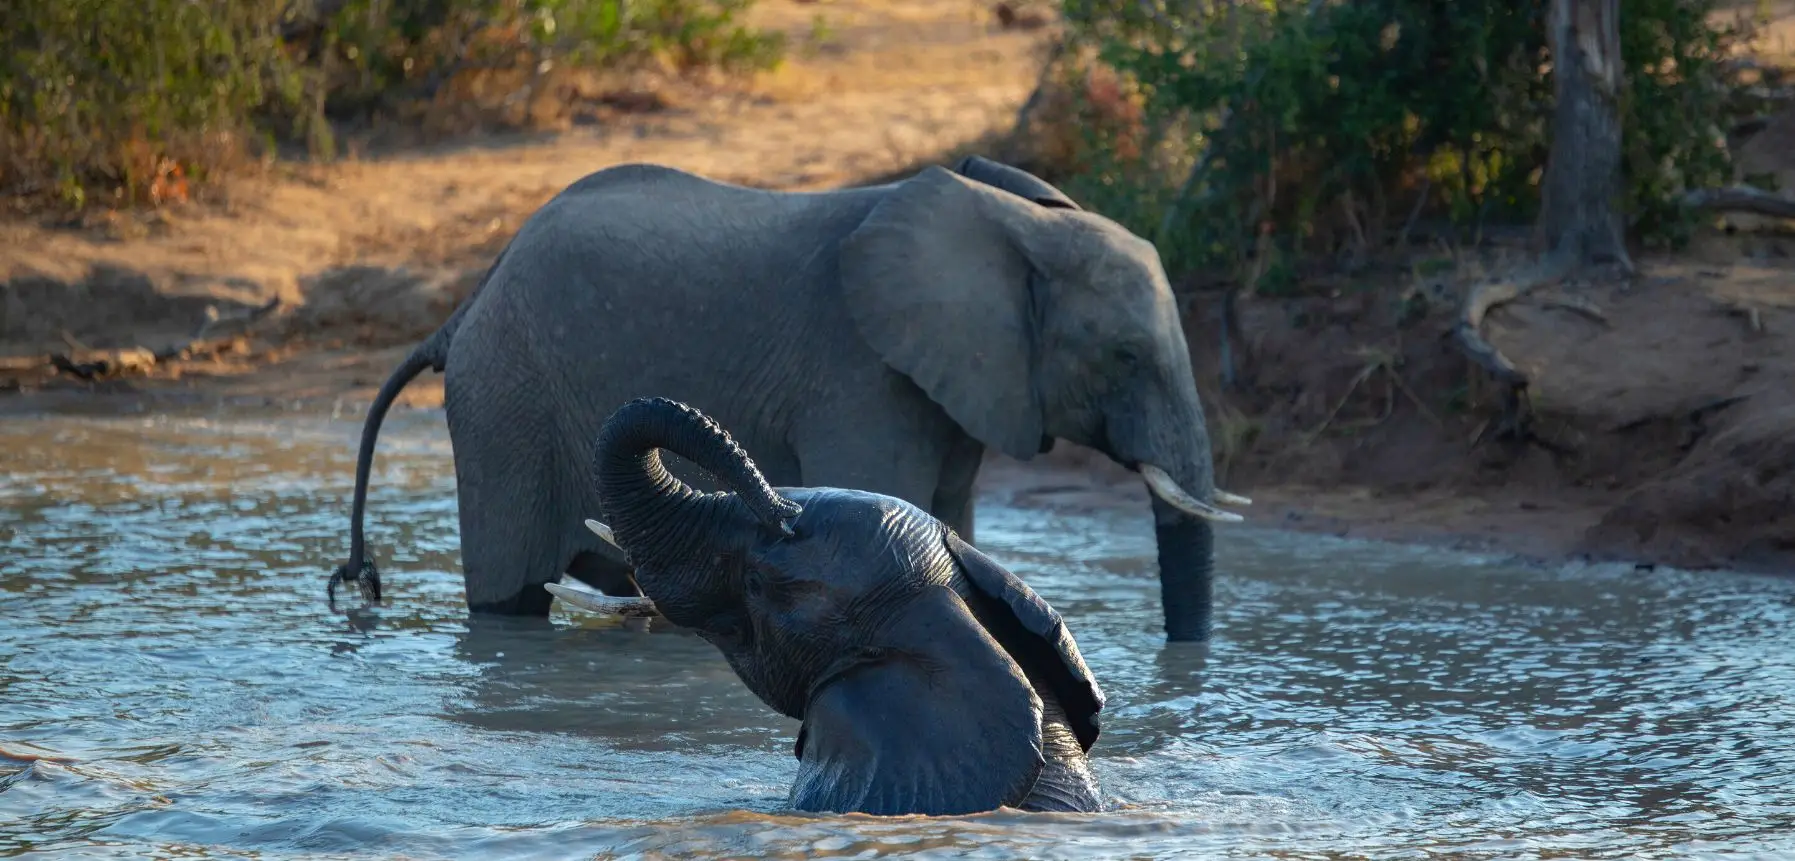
163, 629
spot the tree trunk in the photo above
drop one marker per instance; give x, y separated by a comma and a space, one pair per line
1580, 222
1579, 215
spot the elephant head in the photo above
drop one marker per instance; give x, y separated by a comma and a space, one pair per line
928, 678
1029, 319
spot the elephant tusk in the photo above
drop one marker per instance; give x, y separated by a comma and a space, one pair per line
604, 532
597, 602
1165, 487
1226, 498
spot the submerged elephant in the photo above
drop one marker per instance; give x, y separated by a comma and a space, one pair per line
876, 338
929, 679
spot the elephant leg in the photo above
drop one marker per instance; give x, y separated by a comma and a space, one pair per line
954, 490
509, 547
507, 486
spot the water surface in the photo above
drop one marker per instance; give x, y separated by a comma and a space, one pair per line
162, 625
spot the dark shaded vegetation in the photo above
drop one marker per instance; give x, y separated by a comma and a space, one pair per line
1260, 143
122, 102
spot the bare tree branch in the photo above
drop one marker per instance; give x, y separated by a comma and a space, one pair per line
1741, 198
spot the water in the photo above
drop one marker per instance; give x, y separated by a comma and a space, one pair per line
162, 625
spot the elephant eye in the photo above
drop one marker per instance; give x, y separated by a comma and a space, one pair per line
1128, 356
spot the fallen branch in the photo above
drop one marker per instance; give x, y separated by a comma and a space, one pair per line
112, 363
1741, 198
211, 320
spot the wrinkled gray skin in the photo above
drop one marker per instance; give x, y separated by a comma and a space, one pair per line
874, 338
929, 679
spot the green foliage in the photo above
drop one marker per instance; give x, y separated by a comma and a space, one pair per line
107, 90
135, 96
387, 49
1674, 109
1288, 129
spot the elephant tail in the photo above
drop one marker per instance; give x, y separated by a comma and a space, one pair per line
360, 567
434, 355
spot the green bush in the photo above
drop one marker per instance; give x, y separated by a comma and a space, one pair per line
1285, 129
389, 50
109, 92
135, 97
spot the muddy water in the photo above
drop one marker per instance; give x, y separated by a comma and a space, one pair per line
162, 626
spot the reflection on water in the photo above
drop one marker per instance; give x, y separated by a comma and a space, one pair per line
164, 628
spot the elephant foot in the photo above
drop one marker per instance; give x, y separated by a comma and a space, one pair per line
366, 576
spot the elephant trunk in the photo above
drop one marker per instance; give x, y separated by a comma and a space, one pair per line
1186, 571
651, 512
1170, 449
1183, 528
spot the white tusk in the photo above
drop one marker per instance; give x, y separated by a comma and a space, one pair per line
603, 531
1166, 488
598, 602
1227, 498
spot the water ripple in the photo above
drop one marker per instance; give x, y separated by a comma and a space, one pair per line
166, 635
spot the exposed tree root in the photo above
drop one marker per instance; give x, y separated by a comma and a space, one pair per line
1578, 305
1516, 419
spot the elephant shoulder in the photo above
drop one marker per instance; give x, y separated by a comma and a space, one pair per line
1034, 635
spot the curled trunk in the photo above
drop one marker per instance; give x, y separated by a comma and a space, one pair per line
649, 510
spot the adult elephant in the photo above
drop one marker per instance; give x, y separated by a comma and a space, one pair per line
876, 338
929, 679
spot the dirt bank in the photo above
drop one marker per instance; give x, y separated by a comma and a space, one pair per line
1667, 420
1665, 423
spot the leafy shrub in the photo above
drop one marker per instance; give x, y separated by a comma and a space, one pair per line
389, 50
135, 97
128, 93
1285, 130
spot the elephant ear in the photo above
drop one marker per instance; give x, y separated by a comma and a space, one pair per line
939, 284
1014, 180
937, 720
1035, 636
